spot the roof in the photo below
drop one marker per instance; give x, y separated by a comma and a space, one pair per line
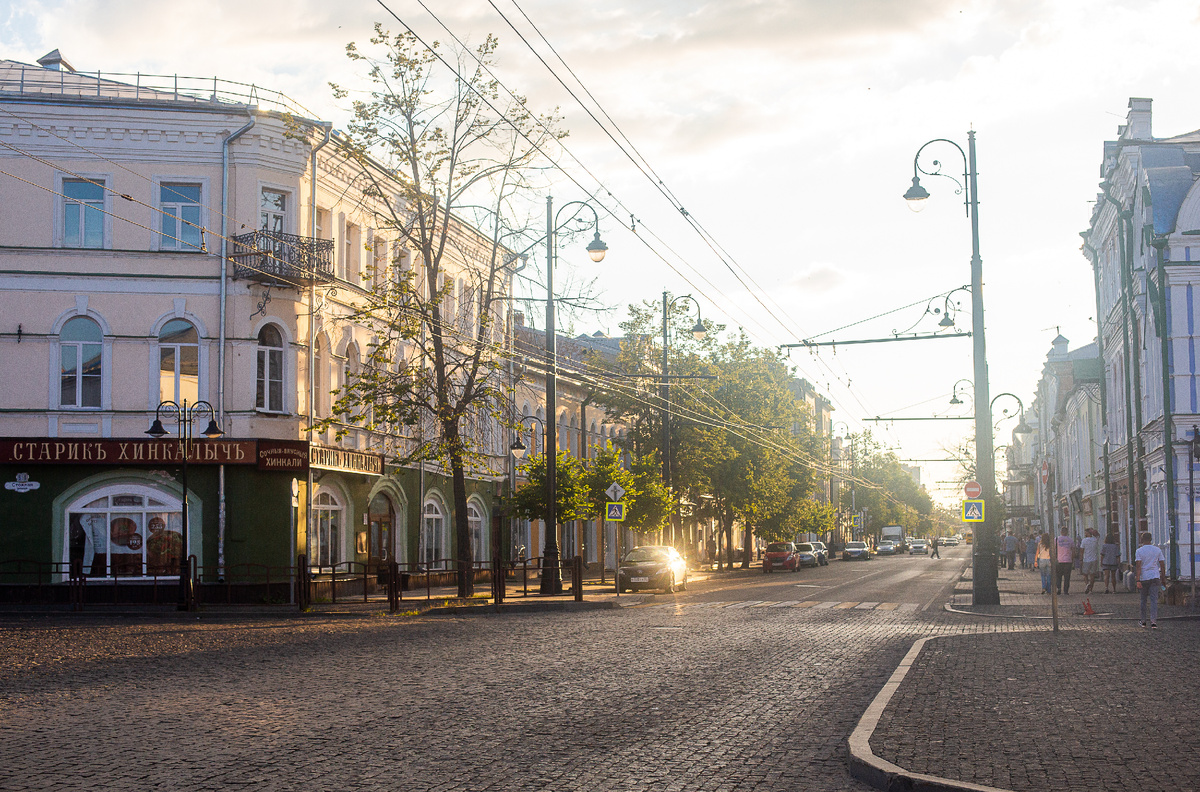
1169, 176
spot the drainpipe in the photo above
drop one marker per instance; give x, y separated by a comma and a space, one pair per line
327, 126
1132, 383
221, 516
1108, 499
1164, 336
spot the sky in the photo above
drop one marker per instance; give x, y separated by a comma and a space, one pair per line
787, 130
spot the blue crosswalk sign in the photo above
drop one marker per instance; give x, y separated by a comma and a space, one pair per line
972, 511
615, 511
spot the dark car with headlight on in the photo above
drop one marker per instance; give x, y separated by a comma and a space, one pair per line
652, 567
856, 551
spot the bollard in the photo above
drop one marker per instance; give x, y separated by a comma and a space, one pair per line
577, 563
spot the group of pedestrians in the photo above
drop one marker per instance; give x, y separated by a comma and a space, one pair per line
1056, 560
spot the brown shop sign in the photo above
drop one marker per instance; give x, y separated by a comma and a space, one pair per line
281, 455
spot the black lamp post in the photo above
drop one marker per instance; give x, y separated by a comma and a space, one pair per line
698, 332
984, 590
185, 414
954, 396
551, 574
1021, 427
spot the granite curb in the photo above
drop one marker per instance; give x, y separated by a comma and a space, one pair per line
880, 773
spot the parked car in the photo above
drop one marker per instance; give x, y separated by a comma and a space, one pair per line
822, 552
652, 567
918, 546
886, 547
780, 555
856, 551
806, 555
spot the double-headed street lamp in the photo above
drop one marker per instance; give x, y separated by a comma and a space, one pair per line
551, 574
698, 332
185, 414
984, 590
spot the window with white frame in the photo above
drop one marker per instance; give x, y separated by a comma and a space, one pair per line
479, 550
433, 534
325, 542
125, 531
83, 213
270, 370
81, 345
178, 362
272, 210
180, 225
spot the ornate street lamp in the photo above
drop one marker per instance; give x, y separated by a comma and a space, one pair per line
185, 415
551, 573
984, 589
699, 331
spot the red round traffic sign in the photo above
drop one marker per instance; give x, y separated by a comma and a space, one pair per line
972, 489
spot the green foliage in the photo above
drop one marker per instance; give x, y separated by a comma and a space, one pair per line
651, 502
571, 492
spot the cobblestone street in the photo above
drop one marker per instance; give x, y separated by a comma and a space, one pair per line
639, 698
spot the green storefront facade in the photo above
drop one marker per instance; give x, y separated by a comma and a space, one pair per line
110, 511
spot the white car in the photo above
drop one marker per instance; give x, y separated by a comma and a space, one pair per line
918, 546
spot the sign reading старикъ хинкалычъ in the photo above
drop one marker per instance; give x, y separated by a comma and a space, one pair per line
285, 455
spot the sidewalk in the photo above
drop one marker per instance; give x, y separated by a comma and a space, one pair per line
1104, 704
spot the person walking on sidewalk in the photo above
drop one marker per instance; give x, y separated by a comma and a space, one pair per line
1091, 557
1110, 560
934, 543
1021, 551
1010, 549
1150, 569
1041, 560
1031, 546
1065, 557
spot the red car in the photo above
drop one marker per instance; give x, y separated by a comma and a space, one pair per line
781, 555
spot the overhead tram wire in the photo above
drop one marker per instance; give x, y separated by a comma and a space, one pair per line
660, 185
721, 253
750, 316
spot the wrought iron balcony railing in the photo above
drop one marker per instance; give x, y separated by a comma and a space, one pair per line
285, 259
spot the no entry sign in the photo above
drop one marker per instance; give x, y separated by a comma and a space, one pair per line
972, 489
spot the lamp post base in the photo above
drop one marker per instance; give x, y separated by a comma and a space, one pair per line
984, 570
551, 573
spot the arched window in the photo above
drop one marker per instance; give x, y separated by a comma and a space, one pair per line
479, 544
80, 346
325, 542
381, 519
270, 370
178, 362
433, 534
125, 531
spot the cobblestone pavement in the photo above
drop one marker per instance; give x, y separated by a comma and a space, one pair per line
716, 699
1100, 707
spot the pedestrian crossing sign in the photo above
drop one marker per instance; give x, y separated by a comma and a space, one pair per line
615, 511
972, 511
856, 520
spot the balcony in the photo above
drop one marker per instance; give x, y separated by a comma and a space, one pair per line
282, 259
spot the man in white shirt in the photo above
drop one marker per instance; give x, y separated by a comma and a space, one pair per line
1150, 569
1091, 557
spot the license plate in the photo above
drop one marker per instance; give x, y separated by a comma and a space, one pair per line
639, 580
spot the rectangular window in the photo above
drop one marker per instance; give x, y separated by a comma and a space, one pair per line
83, 213
270, 380
180, 204
80, 383
273, 208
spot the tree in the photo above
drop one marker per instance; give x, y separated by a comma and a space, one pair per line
571, 495
431, 143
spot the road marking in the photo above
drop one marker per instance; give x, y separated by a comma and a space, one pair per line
784, 604
908, 607
865, 605
846, 605
746, 604
887, 606
808, 585
806, 604
826, 605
